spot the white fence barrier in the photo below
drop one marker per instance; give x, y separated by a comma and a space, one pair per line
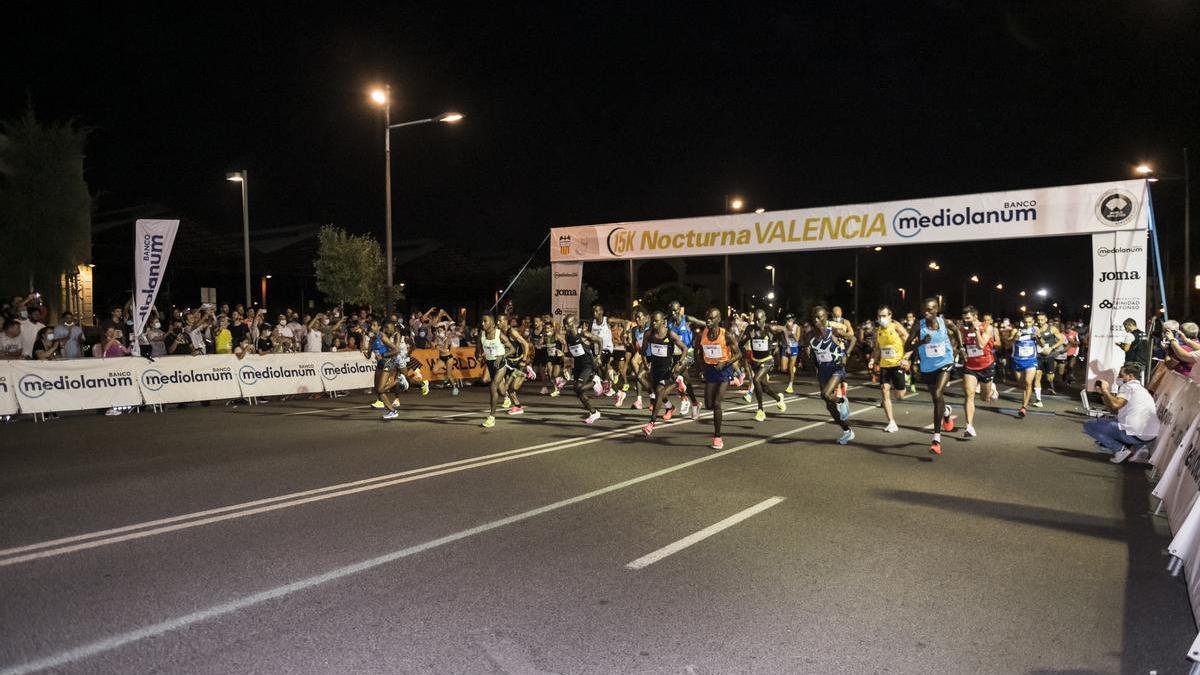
89, 384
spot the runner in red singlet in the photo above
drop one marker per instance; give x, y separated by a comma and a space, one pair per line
979, 361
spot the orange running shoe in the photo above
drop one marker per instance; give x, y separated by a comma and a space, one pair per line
936, 447
668, 414
717, 443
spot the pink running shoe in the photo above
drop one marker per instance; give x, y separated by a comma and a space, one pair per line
648, 429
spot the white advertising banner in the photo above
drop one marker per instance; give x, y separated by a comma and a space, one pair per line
8, 390
567, 280
1042, 212
1175, 415
152, 243
180, 379
1118, 293
280, 374
1180, 482
77, 384
347, 370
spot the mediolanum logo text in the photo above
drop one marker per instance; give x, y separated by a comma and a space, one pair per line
909, 222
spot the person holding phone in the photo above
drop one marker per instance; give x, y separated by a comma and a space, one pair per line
1136, 422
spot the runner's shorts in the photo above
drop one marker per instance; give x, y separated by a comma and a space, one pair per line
585, 371
893, 376
660, 376
1019, 365
983, 374
713, 374
827, 371
540, 358
931, 378
1045, 363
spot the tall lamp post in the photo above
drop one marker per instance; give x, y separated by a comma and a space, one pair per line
733, 204
383, 96
241, 178
1152, 176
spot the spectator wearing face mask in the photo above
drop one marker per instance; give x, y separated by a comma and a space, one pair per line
46, 347
266, 340
284, 338
70, 335
10, 340
222, 336
176, 340
156, 338
31, 328
111, 347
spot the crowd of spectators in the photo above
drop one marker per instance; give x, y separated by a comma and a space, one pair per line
208, 329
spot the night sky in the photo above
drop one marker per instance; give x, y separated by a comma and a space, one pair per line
594, 112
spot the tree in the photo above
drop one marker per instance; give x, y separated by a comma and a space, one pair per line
350, 268
45, 207
695, 300
531, 293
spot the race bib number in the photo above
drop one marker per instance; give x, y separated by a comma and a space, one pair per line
659, 350
824, 357
759, 345
887, 352
551, 351
973, 351
491, 352
712, 351
1025, 351
576, 350
935, 350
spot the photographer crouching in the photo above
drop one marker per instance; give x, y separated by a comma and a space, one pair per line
1136, 424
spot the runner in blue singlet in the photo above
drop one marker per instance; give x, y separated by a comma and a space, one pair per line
1024, 339
936, 343
827, 345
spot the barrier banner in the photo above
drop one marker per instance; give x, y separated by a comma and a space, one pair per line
1118, 293
1014, 214
77, 384
1180, 482
1174, 419
1167, 388
280, 374
566, 280
152, 243
8, 393
182, 379
346, 370
432, 368
1186, 546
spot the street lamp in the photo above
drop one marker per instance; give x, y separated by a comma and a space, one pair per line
736, 203
382, 96
921, 278
878, 249
1152, 176
1022, 294
1042, 292
760, 210
772, 269
243, 179
975, 278
770, 295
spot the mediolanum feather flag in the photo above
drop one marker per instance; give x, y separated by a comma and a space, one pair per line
152, 242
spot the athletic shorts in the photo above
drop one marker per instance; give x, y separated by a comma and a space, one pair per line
445, 358
893, 376
540, 358
385, 365
495, 366
713, 374
791, 350
1045, 363
983, 374
931, 378
827, 371
554, 360
605, 358
515, 365
618, 354
765, 361
660, 376
1019, 365
585, 372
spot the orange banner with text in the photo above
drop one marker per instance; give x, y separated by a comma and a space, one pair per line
467, 364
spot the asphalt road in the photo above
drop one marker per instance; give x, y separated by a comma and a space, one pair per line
311, 536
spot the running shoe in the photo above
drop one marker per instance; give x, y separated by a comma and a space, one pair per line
1037, 404
403, 382
598, 388
625, 387
948, 419
995, 393
559, 382
1121, 455
670, 412
891, 427
648, 429
507, 403
1022, 412
679, 384
846, 437
789, 390
969, 432
637, 403
377, 404
780, 404
607, 387
843, 408
554, 393
760, 416
529, 374
685, 406
391, 415
424, 387
696, 411
912, 388
935, 447
454, 391
544, 391
748, 397
592, 418
516, 410
620, 398
489, 422
112, 411
717, 443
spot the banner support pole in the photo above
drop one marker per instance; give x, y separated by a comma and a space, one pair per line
1162, 289
519, 273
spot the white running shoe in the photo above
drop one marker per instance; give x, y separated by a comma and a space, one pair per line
780, 404
696, 411
846, 437
112, 411
391, 415
891, 427
620, 398
843, 408
403, 382
970, 431
637, 403
748, 397
685, 406
544, 391
1121, 455
592, 418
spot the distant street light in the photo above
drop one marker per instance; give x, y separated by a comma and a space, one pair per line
933, 265
760, 210
999, 287
1042, 292
736, 204
772, 268
975, 278
242, 178
770, 295
383, 96
850, 282
1022, 294
878, 249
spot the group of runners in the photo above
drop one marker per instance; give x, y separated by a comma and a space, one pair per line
655, 355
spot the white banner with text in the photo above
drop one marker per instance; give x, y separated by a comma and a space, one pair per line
280, 374
567, 280
1118, 293
346, 370
181, 379
78, 384
152, 244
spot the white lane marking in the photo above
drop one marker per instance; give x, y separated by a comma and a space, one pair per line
1009, 390
26, 553
324, 410
676, 547
108, 644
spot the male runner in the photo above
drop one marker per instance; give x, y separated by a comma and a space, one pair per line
979, 361
789, 351
659, 344
681, 324
719, 352
849, 327
1051, 343
492, 347
515, 358
828, 348
602, 330
757, 339
936, 338
999, 353
580, 343
637, 350
385, 367
1024, 339
891, 358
